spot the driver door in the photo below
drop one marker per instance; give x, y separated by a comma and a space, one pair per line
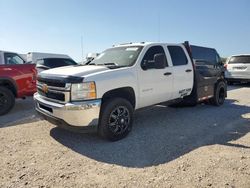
155, 84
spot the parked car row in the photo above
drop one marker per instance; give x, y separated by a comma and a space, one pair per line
18, 74
103, 94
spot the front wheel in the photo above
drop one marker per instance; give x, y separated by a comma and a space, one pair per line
116, 119
219, 94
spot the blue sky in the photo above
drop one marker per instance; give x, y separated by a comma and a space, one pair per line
57, 25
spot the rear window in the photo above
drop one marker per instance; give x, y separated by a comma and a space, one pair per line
202, 53
239, 59
13, 59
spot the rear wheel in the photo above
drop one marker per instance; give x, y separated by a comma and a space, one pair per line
7, 100
116, 119
219, 94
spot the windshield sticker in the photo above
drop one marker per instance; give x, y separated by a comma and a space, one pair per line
99, 56
131, 49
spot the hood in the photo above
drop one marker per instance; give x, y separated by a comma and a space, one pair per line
77, 71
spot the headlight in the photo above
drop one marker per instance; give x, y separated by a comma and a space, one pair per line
83, 91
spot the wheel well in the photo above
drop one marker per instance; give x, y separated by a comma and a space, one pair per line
224, 81
125, 92
8, 84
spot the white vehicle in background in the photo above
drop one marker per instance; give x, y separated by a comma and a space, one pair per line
238, 69
32, 57
23, 56
90, 57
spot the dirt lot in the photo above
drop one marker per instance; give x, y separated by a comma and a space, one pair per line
202, 146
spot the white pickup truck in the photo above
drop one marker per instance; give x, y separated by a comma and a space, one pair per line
103, 95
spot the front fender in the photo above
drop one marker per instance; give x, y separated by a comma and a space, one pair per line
114, 79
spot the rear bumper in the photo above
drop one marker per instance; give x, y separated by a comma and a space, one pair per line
234, 76
77, 116
238, 79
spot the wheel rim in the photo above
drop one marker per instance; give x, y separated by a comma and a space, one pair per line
119, 120
3, 100
221, 95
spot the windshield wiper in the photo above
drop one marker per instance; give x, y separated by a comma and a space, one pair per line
108, 64
91, 63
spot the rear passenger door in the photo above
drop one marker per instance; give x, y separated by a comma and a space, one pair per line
182, 71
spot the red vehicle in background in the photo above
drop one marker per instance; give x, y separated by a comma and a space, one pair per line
17, 80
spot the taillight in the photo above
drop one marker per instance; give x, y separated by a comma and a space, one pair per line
225, 66
34, 76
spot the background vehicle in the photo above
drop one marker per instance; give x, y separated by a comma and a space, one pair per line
23, 56
238, 69
17, 80
32, 57
49, 63
90, 57
103, 95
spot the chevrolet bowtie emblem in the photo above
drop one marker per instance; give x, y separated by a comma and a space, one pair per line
45, 88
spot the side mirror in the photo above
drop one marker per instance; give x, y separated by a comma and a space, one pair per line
144, 65
42, 66
160, 61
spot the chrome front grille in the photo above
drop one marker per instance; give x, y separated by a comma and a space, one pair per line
54, 90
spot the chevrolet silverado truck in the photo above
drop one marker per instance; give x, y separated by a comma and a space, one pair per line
17, 80
103, 95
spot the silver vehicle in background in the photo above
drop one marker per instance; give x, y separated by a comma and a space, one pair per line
238, 69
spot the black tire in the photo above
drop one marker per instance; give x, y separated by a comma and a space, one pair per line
7, 100
116, 119
219, 94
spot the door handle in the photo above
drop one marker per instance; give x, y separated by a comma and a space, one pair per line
167, 73
188, 70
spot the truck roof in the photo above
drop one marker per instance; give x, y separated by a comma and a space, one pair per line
2, 51
144, 44
240, 55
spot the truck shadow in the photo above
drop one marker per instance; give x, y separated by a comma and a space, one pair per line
22, 113
162, 134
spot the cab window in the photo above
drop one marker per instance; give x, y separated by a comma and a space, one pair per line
178, 55
149, 57
13, 59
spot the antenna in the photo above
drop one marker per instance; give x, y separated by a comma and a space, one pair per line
159, 26
82, 46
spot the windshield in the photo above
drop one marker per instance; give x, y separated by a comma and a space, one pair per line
239, 59
119, 56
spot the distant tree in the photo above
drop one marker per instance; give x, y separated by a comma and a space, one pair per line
223, 59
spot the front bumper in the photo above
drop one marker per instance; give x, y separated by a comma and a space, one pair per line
75, 115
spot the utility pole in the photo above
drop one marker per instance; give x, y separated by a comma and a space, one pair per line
159, 26
82, 47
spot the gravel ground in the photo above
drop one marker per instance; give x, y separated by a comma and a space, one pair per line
202, 146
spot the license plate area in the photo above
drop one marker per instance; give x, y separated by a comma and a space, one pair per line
45, 108
239, 68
